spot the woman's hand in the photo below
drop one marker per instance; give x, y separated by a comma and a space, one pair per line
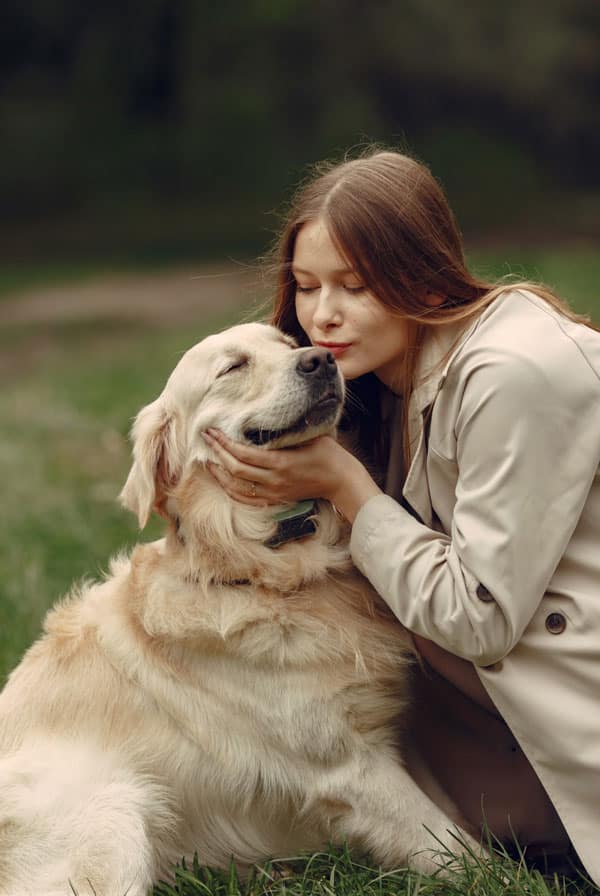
320, 468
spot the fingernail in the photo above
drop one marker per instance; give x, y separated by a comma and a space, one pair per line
213, 433
207, 437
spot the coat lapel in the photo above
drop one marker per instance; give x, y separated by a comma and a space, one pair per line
437, 355
416, 486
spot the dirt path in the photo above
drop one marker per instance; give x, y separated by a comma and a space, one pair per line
173, 296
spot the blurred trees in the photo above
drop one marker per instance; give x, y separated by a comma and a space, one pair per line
202, 115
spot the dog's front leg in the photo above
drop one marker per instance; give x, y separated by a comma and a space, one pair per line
377, 807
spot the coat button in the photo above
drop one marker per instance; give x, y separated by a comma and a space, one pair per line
484, 595
556, 623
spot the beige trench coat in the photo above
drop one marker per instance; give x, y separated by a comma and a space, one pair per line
504, 569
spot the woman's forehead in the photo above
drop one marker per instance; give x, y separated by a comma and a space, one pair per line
314, 249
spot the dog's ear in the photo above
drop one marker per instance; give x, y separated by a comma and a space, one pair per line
158, 461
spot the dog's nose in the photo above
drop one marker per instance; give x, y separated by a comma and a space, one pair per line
314, 361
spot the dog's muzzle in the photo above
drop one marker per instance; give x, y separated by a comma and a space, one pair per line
318, 370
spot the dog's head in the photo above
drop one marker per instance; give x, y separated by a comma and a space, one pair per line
250, 381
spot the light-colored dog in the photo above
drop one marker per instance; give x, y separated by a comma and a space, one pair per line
224, 690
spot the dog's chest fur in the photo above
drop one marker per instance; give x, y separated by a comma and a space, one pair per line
235, 700
298, 671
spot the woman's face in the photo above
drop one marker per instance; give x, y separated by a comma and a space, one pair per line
337, 312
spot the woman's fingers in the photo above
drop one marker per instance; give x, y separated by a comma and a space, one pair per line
230, 463
246, 491
238, 475
238, 462
244, 454
258, 476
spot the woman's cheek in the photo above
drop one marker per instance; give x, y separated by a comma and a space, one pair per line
304, 306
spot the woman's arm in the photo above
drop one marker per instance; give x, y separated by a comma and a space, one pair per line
527, 453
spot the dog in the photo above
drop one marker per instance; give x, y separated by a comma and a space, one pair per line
231, 690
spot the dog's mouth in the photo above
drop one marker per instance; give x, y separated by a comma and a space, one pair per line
320, 414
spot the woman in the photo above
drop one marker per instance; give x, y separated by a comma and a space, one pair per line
473, 490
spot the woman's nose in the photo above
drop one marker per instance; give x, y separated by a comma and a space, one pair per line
327, 311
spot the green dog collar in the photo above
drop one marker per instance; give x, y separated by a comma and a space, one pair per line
295, 522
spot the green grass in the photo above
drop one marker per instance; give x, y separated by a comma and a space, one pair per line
18, 278
337, 873
69, 393
65, 455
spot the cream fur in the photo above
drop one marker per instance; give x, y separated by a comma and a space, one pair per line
170, 709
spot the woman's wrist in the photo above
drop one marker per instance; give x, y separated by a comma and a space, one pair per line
354, 490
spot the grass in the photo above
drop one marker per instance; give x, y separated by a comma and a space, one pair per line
65, 455
15, 278
338, 873
18, 278
70, 391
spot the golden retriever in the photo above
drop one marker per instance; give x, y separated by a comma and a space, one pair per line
222, 690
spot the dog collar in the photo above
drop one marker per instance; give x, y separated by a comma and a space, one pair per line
295, 522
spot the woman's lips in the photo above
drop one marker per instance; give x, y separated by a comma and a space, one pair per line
336, 348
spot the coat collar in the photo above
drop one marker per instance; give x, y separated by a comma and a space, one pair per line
439, 350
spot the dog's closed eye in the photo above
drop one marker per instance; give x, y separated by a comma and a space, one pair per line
236, 364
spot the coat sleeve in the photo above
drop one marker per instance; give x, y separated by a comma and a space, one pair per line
527, 451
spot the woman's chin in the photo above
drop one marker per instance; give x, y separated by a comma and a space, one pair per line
349, 370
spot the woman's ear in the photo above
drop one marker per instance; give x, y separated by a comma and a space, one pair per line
158, 461
433, 300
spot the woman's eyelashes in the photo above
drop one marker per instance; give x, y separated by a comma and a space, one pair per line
352, 289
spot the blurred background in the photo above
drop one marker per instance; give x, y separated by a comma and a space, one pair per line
173, 128
147, 153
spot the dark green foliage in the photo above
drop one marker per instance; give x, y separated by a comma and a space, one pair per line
175, 127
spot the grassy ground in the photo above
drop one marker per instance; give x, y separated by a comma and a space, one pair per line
70, 391
337, 873
64, 454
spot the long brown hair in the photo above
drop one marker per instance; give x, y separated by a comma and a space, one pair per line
391, 221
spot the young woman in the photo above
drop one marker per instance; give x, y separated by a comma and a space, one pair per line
473, 492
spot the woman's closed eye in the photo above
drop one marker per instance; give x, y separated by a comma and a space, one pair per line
352, 289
